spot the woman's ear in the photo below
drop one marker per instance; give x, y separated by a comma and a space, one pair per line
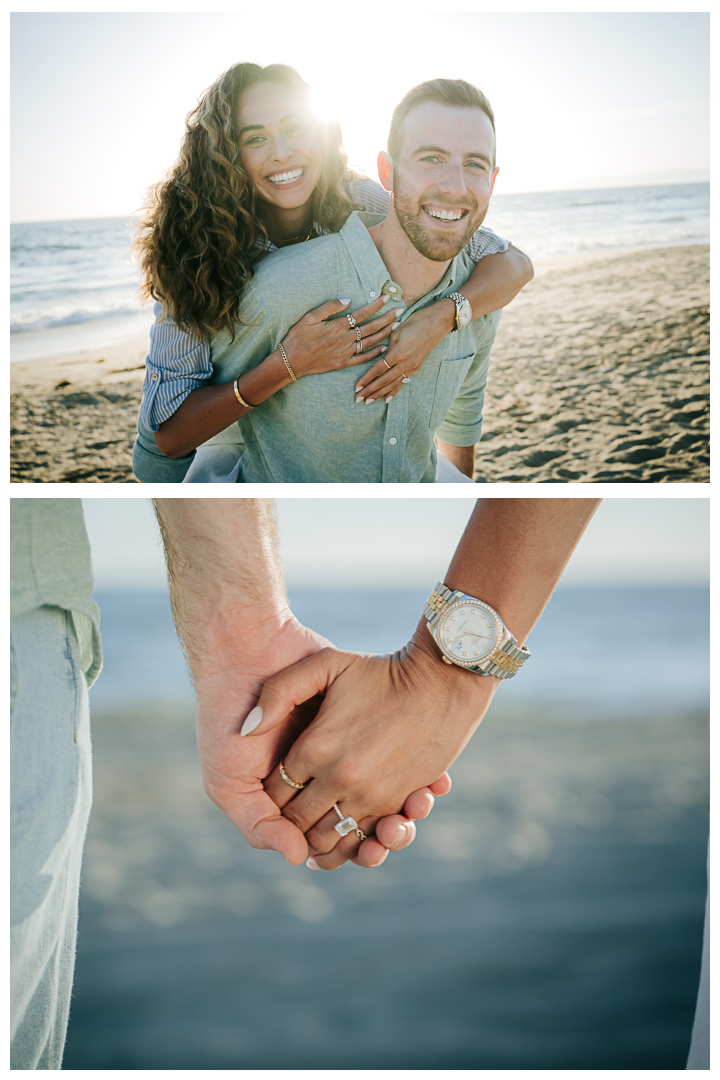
385, 170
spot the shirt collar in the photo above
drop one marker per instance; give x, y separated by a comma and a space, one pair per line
372, 271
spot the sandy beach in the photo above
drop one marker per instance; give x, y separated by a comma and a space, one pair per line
600, 372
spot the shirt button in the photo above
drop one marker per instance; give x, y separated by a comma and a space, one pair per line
372, 295
393, 441
391, 288
154, 376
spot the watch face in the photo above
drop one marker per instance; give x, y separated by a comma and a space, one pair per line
464, 315
468, 631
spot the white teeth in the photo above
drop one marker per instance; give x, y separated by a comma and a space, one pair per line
286, 177
445, 215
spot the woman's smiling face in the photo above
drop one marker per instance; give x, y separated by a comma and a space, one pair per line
279, 144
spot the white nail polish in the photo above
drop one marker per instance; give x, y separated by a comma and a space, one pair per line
359, 398
385, 299
383, 348
253, 718
368, 400
399, 311
344, 300
312, 865
395, 326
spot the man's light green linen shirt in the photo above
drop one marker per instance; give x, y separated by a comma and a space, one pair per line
50, 565
312, 431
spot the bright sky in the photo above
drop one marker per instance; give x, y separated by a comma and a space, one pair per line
581, 99
408, 543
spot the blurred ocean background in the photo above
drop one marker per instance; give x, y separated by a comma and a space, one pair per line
77, 278
548, 916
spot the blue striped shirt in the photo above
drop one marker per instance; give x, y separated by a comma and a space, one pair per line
179, 362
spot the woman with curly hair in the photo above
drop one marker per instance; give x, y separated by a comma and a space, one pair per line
258, 171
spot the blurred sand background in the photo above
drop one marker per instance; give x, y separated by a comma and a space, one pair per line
549, 915
599, 373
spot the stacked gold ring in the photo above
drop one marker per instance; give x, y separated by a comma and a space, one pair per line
358, 343
287, 779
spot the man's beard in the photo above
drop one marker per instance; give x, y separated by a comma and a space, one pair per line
437, 247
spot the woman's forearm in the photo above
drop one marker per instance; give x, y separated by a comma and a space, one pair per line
208, 410
513, 553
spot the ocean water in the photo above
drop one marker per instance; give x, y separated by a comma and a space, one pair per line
74, 273
597, 652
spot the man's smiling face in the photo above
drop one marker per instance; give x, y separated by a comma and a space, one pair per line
444, 177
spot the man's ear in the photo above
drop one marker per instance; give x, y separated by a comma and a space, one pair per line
385, 170
494, 178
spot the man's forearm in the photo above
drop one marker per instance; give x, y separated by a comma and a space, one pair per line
462, 457
225, 575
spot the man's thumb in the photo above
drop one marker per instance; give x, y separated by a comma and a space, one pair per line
283, 692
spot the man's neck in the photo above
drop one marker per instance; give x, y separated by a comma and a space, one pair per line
415, 274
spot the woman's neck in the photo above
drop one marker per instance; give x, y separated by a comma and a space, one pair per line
288, 225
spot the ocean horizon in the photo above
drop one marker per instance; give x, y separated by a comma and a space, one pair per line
601, 652
74, 284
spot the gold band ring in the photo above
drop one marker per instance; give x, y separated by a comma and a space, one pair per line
388, 366
287, 779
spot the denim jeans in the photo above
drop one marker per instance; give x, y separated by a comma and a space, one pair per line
51, 795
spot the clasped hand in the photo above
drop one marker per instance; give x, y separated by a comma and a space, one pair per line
385, 729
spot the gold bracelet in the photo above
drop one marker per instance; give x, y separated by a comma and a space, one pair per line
240, 398
287, 363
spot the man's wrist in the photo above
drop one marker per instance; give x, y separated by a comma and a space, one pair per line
226, 634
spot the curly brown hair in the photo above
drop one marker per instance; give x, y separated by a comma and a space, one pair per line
202, 226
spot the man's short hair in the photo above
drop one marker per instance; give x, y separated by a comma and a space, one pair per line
455, 93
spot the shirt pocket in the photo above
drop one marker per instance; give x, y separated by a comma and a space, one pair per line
450, 377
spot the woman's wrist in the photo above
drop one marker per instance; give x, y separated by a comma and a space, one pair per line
444, 313
424, 652
261, 382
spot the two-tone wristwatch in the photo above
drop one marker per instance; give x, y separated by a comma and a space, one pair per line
472, 635
463, 311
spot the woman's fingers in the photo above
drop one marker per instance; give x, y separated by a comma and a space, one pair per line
349, 847
389, 383
371, 374
290, 688
363, 357
370, 309
330, 307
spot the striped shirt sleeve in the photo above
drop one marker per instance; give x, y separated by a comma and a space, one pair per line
176, 364
376, 200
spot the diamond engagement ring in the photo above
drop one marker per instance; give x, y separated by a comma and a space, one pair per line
405, 378
351, 319
287, 779
347, 824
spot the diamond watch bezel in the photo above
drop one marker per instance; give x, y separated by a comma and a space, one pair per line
500, 631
